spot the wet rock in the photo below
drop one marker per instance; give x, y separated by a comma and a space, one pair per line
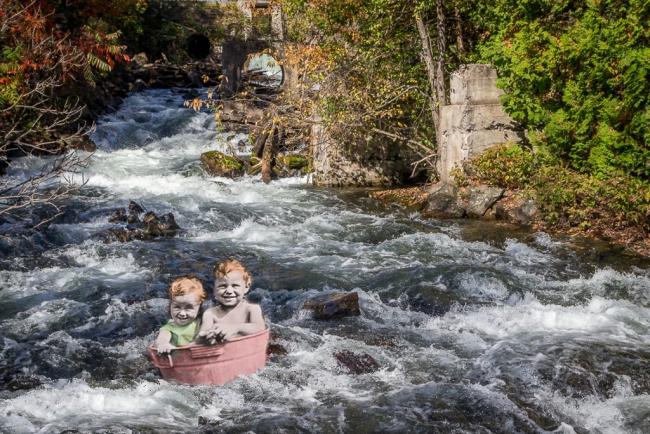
356, 363
477, 200
134, 213
334, 305
168, 222
118, 216
155, 226
517, 210
135, 208
442, 202
150, 218
133, 219
275, 349
22, 382
120, 234
152, 226
217, 163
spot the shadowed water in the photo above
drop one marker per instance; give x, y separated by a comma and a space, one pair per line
477, 328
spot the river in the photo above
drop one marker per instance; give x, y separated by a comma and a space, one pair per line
476, 327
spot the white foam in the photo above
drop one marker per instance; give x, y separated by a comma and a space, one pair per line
90, 265
45, 317
594, 414
607, 319
76, 404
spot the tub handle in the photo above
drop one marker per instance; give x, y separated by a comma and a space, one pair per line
171, 362
201, 352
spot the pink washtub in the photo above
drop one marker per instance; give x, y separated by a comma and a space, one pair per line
214, 364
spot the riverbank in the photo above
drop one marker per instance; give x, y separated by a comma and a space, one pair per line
417, 198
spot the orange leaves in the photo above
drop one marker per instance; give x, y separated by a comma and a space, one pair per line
195, 104
307, 59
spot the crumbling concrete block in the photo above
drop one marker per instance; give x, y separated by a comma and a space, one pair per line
475, 119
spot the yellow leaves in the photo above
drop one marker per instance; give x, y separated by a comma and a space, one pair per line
306, 59
195, 104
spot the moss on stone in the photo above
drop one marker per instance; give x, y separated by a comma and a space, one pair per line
294, 161
219, 164
250, 166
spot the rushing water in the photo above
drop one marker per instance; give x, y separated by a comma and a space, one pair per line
476, 329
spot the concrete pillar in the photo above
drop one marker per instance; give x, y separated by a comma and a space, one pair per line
475, 119
277, 24
245, 7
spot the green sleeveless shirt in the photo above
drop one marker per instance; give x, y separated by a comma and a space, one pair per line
182, 335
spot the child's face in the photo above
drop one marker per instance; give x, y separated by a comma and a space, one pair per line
230, 289
184, 308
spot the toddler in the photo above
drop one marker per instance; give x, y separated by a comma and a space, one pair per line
186, 294
232, 316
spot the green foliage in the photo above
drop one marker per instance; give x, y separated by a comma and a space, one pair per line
571, 199
10, 80
566, 198
508, 166
578, 72
376, 79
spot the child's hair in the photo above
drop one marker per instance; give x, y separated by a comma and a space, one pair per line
225, 267
177, 288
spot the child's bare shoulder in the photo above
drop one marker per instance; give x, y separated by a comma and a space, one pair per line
253, 307
210, 313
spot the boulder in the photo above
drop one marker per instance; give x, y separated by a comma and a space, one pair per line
294, 161
517, 210
356, 363
119, 216
275, 349
152, 226
217, 163
334, 305
442, 202
477, 200
134, 213
167, 223
21, 382
162, 226
292, 165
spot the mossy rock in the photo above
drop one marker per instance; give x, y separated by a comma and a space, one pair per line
250, 164
217, 163
294, 161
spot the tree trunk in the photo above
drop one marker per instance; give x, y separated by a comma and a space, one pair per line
441, 88
427, 56
260, 139
267, 155
459, 31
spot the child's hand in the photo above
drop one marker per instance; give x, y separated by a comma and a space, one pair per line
226, 332
165, 348
212, 337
